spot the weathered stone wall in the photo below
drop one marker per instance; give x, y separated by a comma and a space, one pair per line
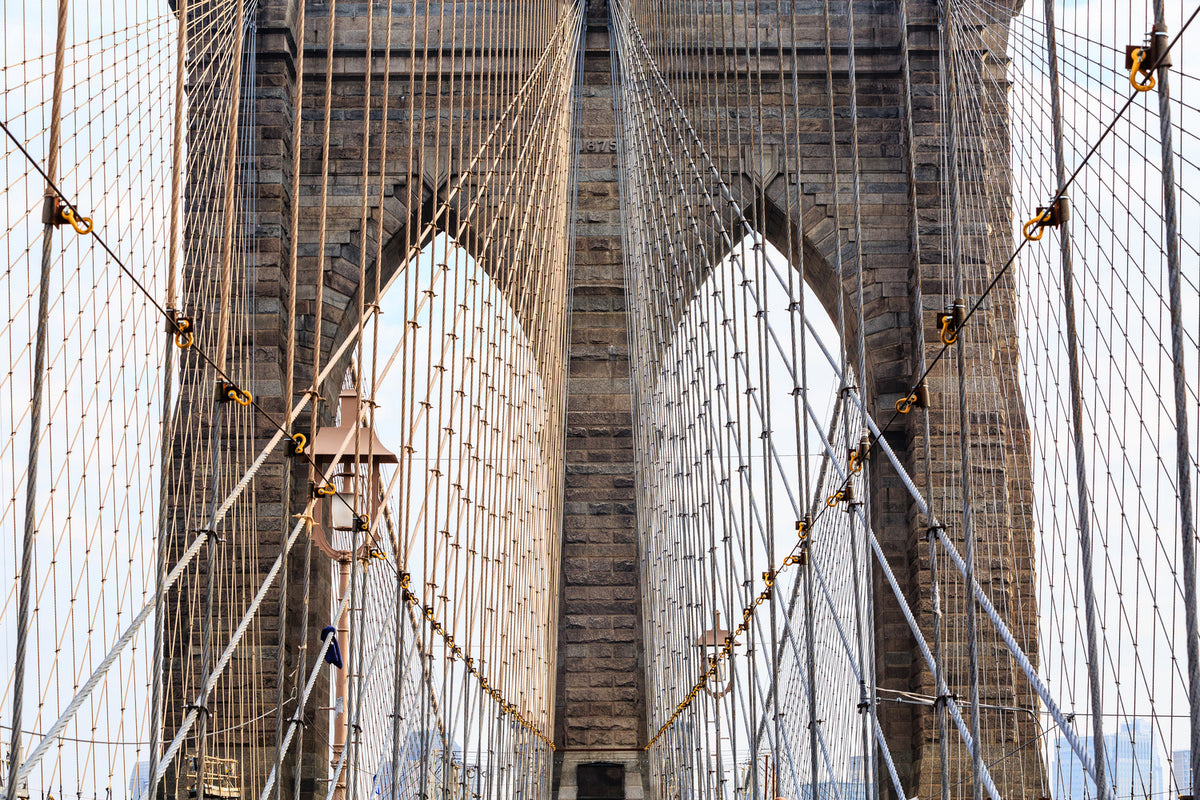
601, 701
601, 683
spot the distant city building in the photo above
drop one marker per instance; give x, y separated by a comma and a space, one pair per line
1136, 766
417, 750
851, 787
1181, 768
139, 780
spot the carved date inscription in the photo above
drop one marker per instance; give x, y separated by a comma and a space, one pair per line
598, 146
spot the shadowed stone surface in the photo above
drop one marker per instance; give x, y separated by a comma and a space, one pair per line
601, 695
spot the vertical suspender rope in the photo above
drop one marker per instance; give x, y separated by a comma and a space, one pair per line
35, 406
222, 357
803, 448
942, 690
866, 637
289, 383
1103, 788
861, 630
167, 428
964, 427
403, 472
398, 621
318, 312
1183, 456
354, 659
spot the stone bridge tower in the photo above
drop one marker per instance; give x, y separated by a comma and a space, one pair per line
601, 715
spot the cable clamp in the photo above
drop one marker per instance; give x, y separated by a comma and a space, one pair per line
917, 398
57, 213
803, 526
1142, 60
1051, 216
210, 534
198, 707
950, 321
182, 327
320, 490
227, 390
858, 455
845, 494
297, 442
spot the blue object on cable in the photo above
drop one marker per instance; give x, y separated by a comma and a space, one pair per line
334, 654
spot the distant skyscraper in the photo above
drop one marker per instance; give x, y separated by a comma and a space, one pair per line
1136, 767
139, 780
1181, 767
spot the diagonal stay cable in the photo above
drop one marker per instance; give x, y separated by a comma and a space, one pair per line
876, 433
219, 514
1059, 195
516, 104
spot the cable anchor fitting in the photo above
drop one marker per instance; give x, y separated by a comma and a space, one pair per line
803, 526
858, 455
845, 494
1051, 216
227, 390
797, 559
950, 321
182, 327
57, 213
917, 398
1145, 58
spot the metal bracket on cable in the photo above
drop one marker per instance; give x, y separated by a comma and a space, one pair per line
182, 327
803, 526
1051, 216
1143, 59
950, 321
864, 699
297, 443
227, 390
211, 535
57, 213
842, 495
917, 398
858, 455
198, 707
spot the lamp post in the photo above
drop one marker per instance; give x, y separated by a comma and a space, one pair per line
353, 509
712, 643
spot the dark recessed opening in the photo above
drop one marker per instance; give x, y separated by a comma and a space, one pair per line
600, 781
